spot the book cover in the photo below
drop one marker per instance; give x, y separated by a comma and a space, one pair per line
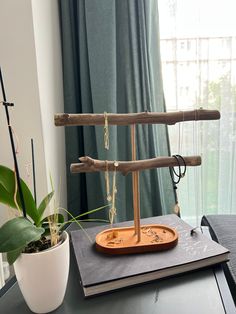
101, 272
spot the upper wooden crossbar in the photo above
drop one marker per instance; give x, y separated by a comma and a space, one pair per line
169, 118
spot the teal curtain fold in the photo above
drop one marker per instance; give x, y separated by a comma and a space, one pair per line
111, 62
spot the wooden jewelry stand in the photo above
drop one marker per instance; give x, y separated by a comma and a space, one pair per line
145, 238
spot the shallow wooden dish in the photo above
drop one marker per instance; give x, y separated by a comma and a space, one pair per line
124, 241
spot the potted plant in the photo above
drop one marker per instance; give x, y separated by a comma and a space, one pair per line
36, 245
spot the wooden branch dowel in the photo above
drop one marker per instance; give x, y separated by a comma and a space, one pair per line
67, 119
89, 164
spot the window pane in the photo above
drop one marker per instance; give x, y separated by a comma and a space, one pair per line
198, 51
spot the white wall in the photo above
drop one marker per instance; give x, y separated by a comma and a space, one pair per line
31, 65
49, 69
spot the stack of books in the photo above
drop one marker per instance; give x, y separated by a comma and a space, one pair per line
101, 273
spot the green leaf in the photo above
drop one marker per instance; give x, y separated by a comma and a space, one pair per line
6, 198
93, 210
60, 219
7, 183
43, 206
13, 255
17, 233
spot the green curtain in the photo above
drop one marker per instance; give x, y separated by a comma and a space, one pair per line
111, 62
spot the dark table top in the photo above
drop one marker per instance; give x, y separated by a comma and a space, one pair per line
195, 292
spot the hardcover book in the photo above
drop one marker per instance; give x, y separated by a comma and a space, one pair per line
101, 272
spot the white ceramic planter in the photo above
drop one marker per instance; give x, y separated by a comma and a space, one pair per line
43, 276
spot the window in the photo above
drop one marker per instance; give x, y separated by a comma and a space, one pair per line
203, 74
182, 45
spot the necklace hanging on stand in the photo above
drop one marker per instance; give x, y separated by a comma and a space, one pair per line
176, 176
110, 196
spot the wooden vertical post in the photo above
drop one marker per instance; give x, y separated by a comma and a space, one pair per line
135, 186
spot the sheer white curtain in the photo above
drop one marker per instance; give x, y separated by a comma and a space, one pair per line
198, 51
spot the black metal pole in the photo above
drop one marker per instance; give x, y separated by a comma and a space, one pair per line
12, 144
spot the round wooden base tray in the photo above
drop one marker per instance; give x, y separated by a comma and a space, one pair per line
124, 241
